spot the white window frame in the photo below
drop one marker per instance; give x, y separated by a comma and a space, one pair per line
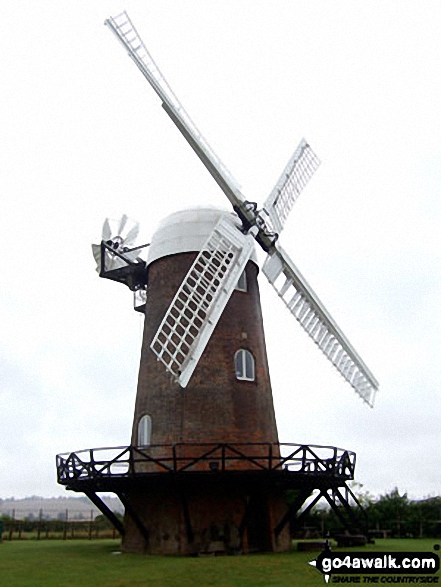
242, 283
145, 430
245, 371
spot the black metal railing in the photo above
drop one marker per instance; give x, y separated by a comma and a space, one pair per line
131, 461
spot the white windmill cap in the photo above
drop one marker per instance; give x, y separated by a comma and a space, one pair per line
186, 231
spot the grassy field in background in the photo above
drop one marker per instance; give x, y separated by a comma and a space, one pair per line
84, 563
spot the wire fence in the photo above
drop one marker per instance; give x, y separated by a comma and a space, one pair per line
42, 528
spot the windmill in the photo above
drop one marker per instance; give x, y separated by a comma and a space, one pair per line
205, 470
232, 249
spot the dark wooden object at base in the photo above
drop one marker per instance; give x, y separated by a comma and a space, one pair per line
222, 498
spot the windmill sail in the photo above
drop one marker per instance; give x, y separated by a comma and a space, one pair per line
199, 302
298, 171
309, 311
124, 29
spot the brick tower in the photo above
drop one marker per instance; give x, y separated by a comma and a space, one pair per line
228, 400
219, 404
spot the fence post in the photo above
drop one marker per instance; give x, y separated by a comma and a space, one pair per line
11, 525
40, 515
90, 524
65, 525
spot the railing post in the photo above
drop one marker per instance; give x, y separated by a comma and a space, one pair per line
174, 458
270, 456
132, 471
334, 461
223, 457
91, 464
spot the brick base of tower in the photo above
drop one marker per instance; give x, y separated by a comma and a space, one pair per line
216, 520
217, 406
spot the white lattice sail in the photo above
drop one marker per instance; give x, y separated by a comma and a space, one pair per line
200, 300
124, 29
298, 171
311, 314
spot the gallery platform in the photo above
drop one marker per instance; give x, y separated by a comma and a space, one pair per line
292, 476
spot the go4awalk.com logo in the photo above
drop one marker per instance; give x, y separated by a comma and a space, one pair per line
383, 568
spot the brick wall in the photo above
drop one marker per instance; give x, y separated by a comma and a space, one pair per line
215, 406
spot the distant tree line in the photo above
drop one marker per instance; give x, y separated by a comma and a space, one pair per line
390, 515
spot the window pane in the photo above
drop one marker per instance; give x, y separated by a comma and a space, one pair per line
238, 359
144, 430
249, 365
244, 365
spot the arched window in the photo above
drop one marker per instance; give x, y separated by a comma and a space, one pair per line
244, 365
145, 430
242, 282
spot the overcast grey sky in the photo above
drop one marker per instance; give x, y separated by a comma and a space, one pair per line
85, 137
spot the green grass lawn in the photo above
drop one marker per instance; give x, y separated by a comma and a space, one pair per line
84, 563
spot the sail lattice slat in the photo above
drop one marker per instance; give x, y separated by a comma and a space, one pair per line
307, 309
298, 171
199, 302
